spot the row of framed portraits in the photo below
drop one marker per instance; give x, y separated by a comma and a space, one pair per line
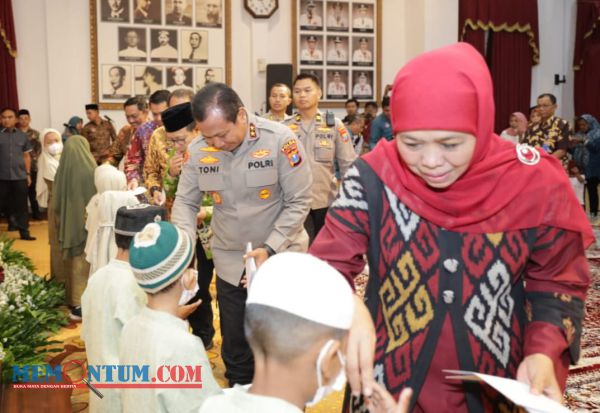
121, 81
199, 13
341, 84
339, 42
134, 56
337, 16
338, 50
140, 44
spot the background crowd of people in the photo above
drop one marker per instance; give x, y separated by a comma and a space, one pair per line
197, 185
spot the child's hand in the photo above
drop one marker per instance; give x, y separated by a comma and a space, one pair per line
184, 311
381, 401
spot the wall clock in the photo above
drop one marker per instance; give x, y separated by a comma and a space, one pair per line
261, 9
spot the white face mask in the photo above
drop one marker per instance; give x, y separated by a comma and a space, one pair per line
187, 295
337, 384
55, 149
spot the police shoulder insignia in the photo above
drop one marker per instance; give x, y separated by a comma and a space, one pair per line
252, 131
344, 134
209, 160
290, 149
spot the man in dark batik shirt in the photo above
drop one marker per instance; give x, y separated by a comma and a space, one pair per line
552, 134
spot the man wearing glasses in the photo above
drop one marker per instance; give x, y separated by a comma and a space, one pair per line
552, 134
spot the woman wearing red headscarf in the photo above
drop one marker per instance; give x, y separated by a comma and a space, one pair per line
475, 247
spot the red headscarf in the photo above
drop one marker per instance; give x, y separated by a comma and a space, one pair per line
451, 89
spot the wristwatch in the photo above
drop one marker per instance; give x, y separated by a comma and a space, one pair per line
154, 189
270, 251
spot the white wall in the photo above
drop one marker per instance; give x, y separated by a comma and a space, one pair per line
557, 42
53, 64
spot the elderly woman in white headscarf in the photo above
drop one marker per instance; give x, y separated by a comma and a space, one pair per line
52, 147
111, 194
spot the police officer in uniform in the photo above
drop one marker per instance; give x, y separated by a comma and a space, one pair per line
326, 140
100, 133
260, 181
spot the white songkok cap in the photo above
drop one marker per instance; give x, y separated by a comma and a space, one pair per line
305, 286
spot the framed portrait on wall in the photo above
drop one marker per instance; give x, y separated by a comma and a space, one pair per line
141, 46
206, 75
115, 11
148, 79
340, 42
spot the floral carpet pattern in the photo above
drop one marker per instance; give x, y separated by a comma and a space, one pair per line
583, 384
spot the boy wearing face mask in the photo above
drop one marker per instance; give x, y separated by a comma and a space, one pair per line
160, 256
111, 298
297, 334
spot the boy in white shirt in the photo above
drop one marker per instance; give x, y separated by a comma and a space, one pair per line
111, 298
298, 314
160, 256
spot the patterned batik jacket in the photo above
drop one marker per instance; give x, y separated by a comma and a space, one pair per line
134, 164
449, 300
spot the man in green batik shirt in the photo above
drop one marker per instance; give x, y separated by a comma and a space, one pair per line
180, 129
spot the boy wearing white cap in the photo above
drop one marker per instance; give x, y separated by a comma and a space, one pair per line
160, 257
297, 334
111, 298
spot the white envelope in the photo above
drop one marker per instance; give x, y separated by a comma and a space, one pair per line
513, 390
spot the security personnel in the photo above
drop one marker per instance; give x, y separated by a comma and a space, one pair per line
99, 133
326, 141
280, 98
260, 181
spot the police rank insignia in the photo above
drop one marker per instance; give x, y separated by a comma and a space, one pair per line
252, 131
290, 149
344, 134
209, 160
261, 153
209, 149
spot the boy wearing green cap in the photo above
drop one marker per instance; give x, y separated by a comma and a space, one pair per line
160, 257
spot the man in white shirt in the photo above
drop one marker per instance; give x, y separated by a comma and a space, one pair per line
336, 87
362, 88
362, 21
164, 50
337, 17
132, 51
311, 53
310, 18
111, 298
337, 53
362, 54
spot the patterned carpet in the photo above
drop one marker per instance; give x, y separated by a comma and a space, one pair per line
583, 385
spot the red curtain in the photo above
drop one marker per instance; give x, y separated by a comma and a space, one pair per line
8, 54
587, 58
511, 48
